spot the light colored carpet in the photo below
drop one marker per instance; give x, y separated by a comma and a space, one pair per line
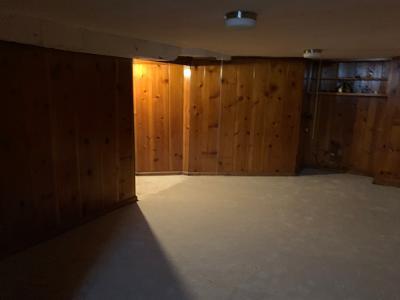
332, 236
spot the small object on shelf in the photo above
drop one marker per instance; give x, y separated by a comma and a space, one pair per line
370, 72
345, 87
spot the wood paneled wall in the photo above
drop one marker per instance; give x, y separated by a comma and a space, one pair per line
388, 155
244, 117
66, 140
343, 132
238, 118
158, 95
346, 135
203, 114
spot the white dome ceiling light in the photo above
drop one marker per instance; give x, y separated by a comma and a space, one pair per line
240, 19
312, 53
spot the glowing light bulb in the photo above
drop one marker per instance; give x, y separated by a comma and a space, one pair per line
187, 72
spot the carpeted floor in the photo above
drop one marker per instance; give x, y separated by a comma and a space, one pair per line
318, 236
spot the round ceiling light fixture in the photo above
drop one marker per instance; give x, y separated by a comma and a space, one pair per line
240, 19
312, 53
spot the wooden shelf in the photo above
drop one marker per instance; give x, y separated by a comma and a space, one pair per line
351, 94
353, 79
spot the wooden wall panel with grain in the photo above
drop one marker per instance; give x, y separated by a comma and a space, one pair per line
347, 133
158, 96
175, 117
259, 111
259, 118
227, 118
234, 118
65, 136
66, 140
204, 118
367, 135
388, 156
241, 136
125, 131
348, 130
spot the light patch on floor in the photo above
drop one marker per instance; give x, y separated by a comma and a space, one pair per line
333, 236
150, 185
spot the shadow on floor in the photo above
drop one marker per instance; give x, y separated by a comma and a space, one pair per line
114, 257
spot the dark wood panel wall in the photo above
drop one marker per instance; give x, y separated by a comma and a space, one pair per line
238, 118
66, 140
346, 134
158, 96
360, 134
388, 156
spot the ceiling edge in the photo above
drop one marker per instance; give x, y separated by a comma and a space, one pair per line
15, 27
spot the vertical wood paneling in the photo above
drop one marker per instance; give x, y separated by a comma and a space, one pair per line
274, 123
125, 131
196, 112
388, 153
143, 116
348, 133
66, 140
18, 201
235, 118
258, 112
175, 117
107, 143
293, 109
204, 118
227, 128
158, 100
186, 121
65, 136
367, 133
160, 125
242, 118
258, 118
38, 133
89, 134
210, 122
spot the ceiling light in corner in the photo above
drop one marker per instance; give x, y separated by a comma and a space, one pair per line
312, 53
240, 19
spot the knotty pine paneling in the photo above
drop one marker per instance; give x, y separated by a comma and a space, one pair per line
227, 117
158, 96
66, 140
252, 127
388, 153
347, 133
204, 105
368, 132
235, 118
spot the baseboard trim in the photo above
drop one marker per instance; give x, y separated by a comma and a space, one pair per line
360, 173
386, 182
159, 173
191, 173
239, 174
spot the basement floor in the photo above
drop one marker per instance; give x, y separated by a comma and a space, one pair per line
326, 236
